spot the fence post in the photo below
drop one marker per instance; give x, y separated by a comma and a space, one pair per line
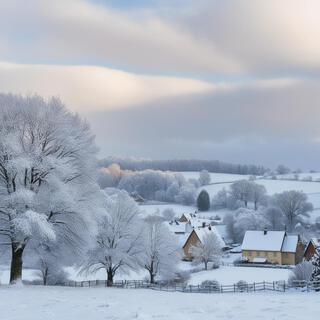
221, 289
254, 287
274, 288
284, 286
234, 287
264, 286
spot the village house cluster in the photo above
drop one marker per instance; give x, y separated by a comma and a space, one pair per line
258, 246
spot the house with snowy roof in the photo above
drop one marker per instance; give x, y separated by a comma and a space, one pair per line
312, 248
196, 237
275, 247
186, 217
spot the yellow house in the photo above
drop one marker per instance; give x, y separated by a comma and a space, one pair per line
275, 247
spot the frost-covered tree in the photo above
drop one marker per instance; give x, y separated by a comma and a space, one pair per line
242, 190
161, 252
301, 272
246, 219
47, 173
168, 214
294, 205
209, 250
258, 194
281, 169
186, 195
229, 221
204, 177
118, 242
49, 263
194, 182
203, 201
275, 218
220, 200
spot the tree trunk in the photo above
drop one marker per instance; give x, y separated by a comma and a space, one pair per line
109, 278
151, 277
255, 205
151, 273
45, 276
205, 265
246, 203
16, 263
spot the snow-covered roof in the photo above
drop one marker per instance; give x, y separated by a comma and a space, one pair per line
236, 249
222, 229
188, 216
199, 222
176, 226
290, 243
270, 241
316, 242
203, 232
263, 241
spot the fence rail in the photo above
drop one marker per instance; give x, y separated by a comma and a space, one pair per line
241, 286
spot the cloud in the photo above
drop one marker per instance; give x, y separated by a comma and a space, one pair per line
78, 30
236, 37
87, 88
265, 37
265, 124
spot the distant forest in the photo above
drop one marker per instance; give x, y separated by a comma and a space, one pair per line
183, 165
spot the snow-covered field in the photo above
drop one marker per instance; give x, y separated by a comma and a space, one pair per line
178, 209
272, 186
52, 303
215, 177
312, 189
229, 275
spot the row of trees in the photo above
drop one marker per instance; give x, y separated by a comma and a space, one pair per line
241, 193
154, 185
180, 165
283, 211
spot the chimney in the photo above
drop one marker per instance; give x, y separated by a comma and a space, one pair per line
265, 231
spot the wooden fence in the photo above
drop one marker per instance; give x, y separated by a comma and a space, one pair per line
280, 286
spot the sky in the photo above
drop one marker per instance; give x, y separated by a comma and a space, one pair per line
235, 80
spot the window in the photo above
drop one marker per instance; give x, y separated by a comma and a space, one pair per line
274, 254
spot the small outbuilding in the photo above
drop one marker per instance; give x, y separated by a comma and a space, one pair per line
312, 247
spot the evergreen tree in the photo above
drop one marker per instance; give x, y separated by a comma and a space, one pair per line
316, 270
203, 201
316, 266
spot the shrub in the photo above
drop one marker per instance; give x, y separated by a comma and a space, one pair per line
301, 272
212, 284
241, 285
